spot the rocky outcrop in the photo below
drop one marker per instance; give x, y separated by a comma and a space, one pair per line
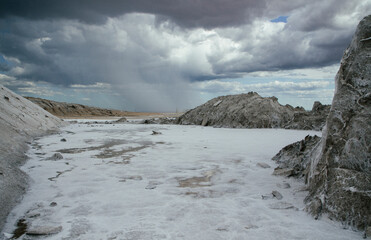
340, 176
310, 120
161, 120
62, 109
20, 120
338, 168
253, 111
294, 159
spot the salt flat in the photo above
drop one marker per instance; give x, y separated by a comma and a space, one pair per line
121, 181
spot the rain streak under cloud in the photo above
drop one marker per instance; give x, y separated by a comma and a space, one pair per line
173, 55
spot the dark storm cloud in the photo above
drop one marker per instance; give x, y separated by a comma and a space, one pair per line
190, 13
161, 46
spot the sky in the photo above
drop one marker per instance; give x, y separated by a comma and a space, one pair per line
172, 55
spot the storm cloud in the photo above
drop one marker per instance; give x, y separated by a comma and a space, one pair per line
192, 13
148, 53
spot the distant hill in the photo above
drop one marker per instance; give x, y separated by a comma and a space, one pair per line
62, 109
253, 111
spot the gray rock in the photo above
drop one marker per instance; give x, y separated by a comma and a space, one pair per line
263, 165
56, 156
368, 232
286, 172
281, 205
44, 230
284, 185
267, 196
121, 120
340, 175
253, 111
152, 185
337, 168
310, 120
294, 159
277, 195
161, 120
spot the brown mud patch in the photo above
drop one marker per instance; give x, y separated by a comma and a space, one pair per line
21, 229
107, 145
193, 182
110, 153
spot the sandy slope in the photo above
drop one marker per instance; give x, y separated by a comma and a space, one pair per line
20, 120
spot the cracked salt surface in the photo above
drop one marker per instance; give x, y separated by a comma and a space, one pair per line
189, 182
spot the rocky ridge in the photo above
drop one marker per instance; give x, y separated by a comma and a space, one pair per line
62, 109
337, 168
253, 111
20, 121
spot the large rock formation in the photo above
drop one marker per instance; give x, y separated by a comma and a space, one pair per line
338, 168
20, 120
62, 109
253, 111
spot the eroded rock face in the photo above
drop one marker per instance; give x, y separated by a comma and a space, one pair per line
253, 111
338, 168
340, 176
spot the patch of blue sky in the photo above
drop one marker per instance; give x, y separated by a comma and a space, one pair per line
280, 19
5, 63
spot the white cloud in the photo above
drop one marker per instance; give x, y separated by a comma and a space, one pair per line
327, 72
39, 90
217, 86
11, 81
152, 62
98, 85
5, 79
